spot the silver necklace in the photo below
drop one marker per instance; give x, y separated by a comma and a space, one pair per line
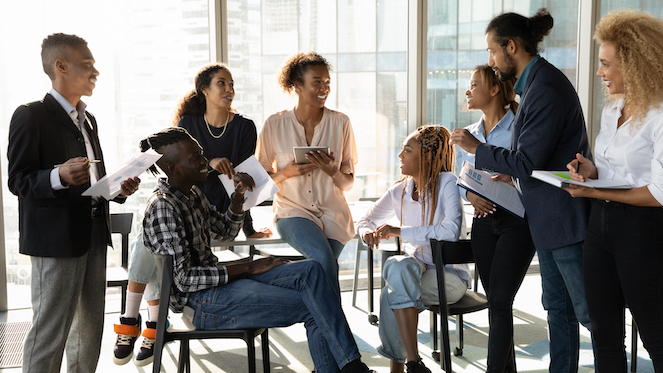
209, 129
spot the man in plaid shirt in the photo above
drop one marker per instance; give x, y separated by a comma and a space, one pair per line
265, 293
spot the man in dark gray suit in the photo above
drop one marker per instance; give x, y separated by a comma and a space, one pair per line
65, 233
549, 130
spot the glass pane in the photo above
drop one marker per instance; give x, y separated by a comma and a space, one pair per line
147, 53
456, 44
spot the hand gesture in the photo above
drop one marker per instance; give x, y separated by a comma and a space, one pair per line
464, 139
243, 182
385, 231
323, 161
481, 206
293, 169
265, 264
502, 177
223, 165
129, 186
372, 240
582, 169
75, 171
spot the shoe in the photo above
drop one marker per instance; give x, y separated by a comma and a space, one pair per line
416, 366
146, 353
127, 332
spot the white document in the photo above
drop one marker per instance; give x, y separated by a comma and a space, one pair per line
264, 188
109, 185
497, 192
561, 179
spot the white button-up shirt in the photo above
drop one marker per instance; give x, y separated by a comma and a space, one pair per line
632, 153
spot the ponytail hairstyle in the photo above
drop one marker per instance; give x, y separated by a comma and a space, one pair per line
530, 31
435, 156
507, 95
167, 136
193, 103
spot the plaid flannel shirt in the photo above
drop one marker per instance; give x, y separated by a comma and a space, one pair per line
180, 225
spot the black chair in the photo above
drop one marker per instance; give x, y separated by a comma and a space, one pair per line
184, 336
445, 252
119, 276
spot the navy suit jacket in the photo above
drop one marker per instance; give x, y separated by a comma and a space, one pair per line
51, 223
548, 131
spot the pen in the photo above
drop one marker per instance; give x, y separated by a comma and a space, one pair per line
578, 167
74, 164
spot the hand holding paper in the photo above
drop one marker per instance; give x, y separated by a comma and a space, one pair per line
264, 186
110, 186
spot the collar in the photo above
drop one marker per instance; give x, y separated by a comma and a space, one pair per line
522, 80
66, 105
166, 188
504, 123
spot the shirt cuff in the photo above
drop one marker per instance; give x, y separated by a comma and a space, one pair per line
407, 234
56, 183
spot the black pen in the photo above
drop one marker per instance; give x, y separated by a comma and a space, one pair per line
578, 167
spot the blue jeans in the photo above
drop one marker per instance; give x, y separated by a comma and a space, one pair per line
308, 239
564, 299
145, 269
288, 294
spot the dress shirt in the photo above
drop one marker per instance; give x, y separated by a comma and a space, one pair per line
632, 153
77, 115
181, 226
500, 135
522, 80
313, 196
415, 234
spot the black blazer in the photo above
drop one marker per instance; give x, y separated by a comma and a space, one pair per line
51, 223
548, 131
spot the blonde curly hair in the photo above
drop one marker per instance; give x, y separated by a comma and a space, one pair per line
638, 40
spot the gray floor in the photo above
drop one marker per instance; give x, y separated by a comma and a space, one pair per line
289, 351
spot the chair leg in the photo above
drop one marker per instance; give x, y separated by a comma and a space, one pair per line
634, 346
433, 336
251, 351
372, 318
158, 354
264, 344
460, 331
124, 297
184, 363
445, 356
356, 276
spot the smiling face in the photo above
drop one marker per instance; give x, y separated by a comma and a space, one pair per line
409, 156
499, 58
316, 88
221, 90
188, 162
79, 77
478, 94
609, 69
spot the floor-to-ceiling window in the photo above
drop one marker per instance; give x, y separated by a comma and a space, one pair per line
147, 53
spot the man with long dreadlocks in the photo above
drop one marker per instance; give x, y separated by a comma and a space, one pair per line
426, 202
179, 221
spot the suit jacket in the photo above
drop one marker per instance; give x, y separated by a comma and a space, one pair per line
51, 223
548, 131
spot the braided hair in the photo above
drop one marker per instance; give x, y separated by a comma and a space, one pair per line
167, 136
435, 156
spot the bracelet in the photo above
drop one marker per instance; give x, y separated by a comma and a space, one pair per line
235, 202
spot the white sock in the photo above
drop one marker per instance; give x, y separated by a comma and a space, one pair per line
133, 304
153, 312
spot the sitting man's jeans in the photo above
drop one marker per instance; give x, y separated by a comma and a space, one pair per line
145, 269
288, 294
409, 284
564, 299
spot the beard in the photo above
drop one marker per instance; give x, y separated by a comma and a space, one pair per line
510, 69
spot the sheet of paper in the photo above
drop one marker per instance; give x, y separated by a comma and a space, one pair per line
559, 178
264, 188
109, 185
497, 192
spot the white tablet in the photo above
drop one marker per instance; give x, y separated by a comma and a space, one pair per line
301, 151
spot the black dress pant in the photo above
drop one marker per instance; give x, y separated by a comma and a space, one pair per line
623, 264
503, 250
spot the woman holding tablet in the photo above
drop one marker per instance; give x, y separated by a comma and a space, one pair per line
623, 251
311, 213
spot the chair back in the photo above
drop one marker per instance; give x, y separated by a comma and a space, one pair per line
121, 223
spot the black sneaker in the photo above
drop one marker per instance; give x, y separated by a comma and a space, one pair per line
146, 353
417, 366
127, 332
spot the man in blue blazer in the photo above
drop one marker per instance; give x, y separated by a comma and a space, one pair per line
549, 130
65, 233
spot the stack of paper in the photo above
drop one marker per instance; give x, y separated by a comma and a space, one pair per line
562, 179
497, 192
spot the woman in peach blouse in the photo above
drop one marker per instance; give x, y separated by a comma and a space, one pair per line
312, 214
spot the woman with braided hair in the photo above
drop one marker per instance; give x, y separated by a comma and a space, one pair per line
427, 205
501, 243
